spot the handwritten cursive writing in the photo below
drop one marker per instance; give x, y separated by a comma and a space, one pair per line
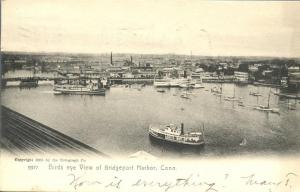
253, 180
80, 181
190, 181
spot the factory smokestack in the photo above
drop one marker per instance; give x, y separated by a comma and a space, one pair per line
111, 59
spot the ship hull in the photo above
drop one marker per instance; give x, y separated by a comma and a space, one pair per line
161, 84
170, 83
28, 84
262, 109
174, 146
100, 92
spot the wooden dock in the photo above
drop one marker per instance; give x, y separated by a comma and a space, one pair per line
20, 134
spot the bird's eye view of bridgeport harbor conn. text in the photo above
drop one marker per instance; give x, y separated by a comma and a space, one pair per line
171, 79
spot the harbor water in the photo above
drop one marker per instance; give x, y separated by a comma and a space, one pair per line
117, 124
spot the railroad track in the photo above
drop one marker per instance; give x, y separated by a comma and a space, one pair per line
30, 136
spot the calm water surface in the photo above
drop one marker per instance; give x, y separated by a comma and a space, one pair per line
118, 123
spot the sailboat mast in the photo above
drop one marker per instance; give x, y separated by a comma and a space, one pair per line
233, 90
269, 98
296, 95
221, 88
203, 137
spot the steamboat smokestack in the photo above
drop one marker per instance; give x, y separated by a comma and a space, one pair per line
182, 129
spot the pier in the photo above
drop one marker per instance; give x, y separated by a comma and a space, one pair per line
111, 80
122, 80
20, 134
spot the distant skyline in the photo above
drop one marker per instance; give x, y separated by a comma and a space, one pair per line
217, 28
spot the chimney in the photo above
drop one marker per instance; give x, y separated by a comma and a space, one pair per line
111, 58
184, 74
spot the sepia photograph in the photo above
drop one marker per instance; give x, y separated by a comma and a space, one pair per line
150, 81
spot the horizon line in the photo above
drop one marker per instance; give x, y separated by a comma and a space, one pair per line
179, 54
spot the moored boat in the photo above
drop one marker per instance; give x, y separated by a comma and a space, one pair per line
288, 96
191, 83
169, 82
197, 86
241, 103
217, 90
193, 86
161, 90
30, 82
79, 88
184, 95
255, 94
267, 108
229, 98
262, 108
161, 83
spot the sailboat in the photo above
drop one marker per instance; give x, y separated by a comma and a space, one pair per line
267, 108
191, 83
256, 93
161, 90
184, 95
288, 96
241, 103
218, 91
290, 106
243, 142
293, 106
231, 98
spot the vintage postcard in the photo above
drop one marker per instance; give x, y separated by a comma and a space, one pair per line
136, 95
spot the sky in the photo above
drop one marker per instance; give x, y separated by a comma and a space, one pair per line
217, 28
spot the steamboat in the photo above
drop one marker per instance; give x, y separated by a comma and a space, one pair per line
79, 87
174, 134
